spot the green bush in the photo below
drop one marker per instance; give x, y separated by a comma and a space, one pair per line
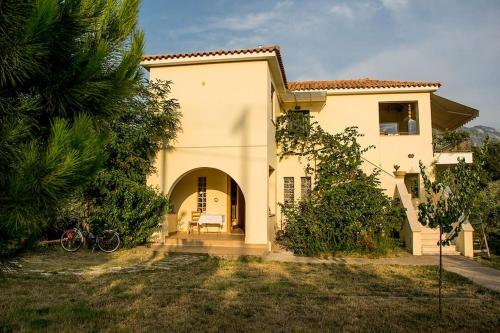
119, 198
65, 218
450, 139
352, 217
131, 208
487, 207
346, 209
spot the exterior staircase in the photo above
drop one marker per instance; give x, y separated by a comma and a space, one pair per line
422, 240
429, 239
213, 243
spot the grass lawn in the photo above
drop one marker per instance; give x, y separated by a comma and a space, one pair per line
494, 261
214, 294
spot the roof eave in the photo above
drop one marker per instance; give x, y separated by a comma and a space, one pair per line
378, 90
272, 57
205, 59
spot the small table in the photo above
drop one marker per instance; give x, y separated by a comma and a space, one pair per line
211, 219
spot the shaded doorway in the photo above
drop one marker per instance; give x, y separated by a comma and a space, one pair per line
236, 208
201, 200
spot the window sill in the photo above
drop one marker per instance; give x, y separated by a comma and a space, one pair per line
400, 134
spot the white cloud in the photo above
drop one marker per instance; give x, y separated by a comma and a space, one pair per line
247, 41
284, 4
247, 22
342, 10
359, 9
446, 58
395, 5
388, 39
363, 9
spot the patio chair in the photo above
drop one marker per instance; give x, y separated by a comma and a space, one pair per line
195, 217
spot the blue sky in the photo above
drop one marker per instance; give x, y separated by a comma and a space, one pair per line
454, 42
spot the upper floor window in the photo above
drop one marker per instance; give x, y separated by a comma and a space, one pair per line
202, 194
289, 190
398, 118
305, 186
299, 121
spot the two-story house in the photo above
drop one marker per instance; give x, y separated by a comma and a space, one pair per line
224, 162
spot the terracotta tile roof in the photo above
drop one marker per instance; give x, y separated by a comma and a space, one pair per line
299, 85
357, 84
263, 49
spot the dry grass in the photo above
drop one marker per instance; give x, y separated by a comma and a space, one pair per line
238, 296
55, 258
493, 262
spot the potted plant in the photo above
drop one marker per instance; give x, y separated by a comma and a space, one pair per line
397, 173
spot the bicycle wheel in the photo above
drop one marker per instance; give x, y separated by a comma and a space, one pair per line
108, 241
72, 240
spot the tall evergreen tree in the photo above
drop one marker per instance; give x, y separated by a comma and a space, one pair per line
65, 67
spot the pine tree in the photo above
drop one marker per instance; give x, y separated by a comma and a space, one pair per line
65, 67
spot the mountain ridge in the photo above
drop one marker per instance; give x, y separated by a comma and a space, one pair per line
479, 133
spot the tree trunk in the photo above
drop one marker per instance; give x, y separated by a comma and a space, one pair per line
440, 268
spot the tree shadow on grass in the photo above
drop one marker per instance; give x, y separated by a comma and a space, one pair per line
50, 302
400, 298
247, 295
326, 297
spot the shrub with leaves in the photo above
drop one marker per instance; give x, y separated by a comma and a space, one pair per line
346, 209
131, 208
487, 203
119, 198
449, 140
491, 160
487, 207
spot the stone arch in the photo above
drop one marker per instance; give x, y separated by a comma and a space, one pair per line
186, 172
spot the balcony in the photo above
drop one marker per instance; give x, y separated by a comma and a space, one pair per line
449, 147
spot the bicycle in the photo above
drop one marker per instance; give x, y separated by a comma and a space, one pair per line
108, 241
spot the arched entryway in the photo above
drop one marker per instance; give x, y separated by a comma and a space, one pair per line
210, 191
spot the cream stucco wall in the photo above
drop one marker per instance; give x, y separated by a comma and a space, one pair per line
362, 110
228, 129
228, 112
225, 109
